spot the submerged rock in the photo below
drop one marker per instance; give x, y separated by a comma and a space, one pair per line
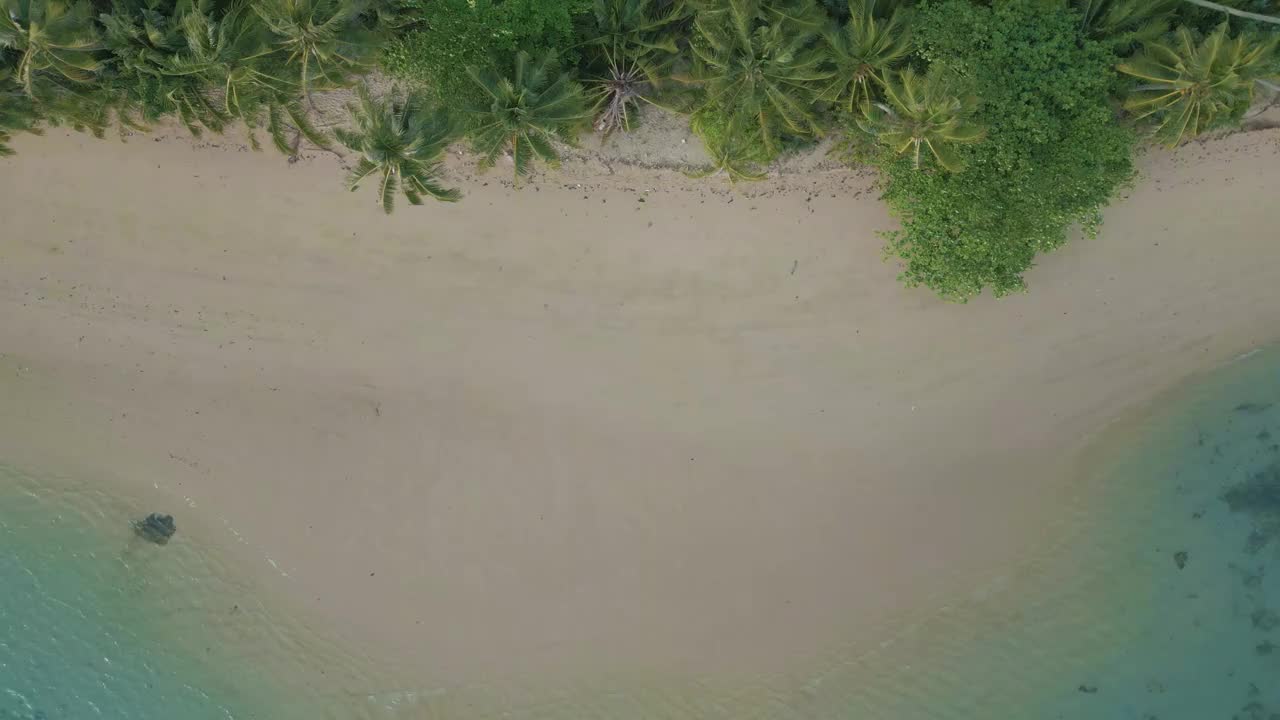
1252, 408
156, 528
1265, 620
1180, 558
1259, 498
1259, 495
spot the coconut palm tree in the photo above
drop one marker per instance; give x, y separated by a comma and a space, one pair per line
921, 116
636, 51
526, 113
1189, 87
874, 40
1121, 23
400, 142
17, 112
757, 64
325, 41
56, 43
233, 54
740, 156
145, 38
648, 24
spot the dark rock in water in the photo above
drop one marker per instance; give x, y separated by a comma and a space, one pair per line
1251, 408
1255, 542
1254, 711
1180, 558
1265, 648
1253, 580
155, 527
1265, 620
1258, 497
1089, 689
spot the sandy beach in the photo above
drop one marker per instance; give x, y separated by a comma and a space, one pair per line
617, 422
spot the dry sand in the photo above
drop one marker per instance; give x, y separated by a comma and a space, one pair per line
615, 422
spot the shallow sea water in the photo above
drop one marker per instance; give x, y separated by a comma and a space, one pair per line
97, 623
1155, 596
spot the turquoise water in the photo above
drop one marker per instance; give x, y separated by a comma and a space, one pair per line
96, 623
1154, 596
1196, 624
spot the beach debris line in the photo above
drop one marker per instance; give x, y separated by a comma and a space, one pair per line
156, 528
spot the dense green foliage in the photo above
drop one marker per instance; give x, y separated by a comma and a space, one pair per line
202, 62
998, 127
1053, 156
448, 36
17, 114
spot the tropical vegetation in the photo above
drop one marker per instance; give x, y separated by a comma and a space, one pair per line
400, 143
525, 112
998, 128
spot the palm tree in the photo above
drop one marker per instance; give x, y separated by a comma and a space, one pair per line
233, 53
740, 156
637, 48
56, 43
1121, 23
17, 112
863, 50
920, 114
401, 141
647, 24
757, 64
526, 113
325, 41
1190, 87
145, 38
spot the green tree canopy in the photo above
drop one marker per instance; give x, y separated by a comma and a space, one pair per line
1053, 155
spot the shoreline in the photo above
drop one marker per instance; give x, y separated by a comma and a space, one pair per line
679, 437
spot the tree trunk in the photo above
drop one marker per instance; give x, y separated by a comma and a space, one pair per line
1233, 11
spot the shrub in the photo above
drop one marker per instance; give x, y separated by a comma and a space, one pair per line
1053, 156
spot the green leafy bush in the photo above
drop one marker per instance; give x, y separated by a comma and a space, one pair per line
1053, 156
452, 35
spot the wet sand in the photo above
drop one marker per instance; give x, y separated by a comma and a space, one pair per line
615, 424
